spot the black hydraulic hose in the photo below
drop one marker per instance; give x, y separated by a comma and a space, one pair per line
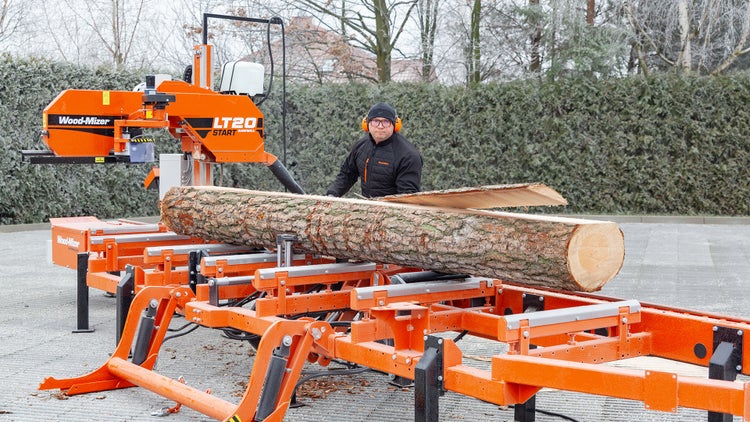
286, 179
173, 336
270, 62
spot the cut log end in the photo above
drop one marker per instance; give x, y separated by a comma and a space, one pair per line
595, 254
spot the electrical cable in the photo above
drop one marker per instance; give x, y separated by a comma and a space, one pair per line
558, 415
181, 328
234, 334
173, 336
460, 336
550, 413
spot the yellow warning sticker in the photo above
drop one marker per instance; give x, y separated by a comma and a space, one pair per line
235, 418
105, 97
98, 160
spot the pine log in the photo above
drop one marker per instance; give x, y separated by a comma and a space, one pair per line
554, 252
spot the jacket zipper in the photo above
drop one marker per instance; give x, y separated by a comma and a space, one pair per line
367, 164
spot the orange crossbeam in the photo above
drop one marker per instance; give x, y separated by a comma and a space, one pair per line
658, 390
200, 401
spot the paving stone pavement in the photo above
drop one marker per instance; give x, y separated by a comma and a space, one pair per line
704, 267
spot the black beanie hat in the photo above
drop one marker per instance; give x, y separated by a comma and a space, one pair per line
383, 110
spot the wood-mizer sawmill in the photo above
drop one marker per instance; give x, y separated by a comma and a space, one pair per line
389, 284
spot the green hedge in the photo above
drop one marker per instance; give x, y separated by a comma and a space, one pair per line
664, 145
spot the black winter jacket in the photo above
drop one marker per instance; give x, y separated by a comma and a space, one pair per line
390, 167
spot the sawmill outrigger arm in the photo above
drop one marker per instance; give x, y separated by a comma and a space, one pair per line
280, 357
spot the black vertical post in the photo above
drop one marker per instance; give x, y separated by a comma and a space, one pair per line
525, 412
723, 366
428, 381
125, 293
82, 295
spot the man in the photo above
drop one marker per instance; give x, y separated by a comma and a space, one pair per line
383, 160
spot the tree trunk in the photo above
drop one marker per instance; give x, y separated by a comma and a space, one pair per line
560, 253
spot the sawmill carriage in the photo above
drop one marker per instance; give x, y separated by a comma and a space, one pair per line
306, 278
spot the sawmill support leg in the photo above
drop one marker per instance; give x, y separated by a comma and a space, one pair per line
125, 293
82, 295
428, 381
525, 412
723, 366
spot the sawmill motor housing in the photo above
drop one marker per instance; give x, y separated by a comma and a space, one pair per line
226, 126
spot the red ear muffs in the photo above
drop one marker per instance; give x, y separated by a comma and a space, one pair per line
396, 126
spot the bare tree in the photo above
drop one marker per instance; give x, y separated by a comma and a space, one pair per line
118, 32
318, 55
705, 36
492, 38
11, 16
539, 38
427, 13
115, 25
535, 16
473, 48
376, 25
183, 30
591, 42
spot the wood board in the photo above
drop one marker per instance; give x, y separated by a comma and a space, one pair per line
484, 197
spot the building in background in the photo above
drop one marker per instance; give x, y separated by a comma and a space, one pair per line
315, 54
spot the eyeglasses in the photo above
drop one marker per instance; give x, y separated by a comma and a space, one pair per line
380, 122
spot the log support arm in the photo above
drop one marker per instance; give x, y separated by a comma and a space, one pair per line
428, 381
160, 303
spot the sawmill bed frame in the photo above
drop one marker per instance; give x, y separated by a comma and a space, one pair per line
304, 308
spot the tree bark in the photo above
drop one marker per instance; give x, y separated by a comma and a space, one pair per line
560, 253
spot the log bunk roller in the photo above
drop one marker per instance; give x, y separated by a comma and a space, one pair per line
391, 284
387, 284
